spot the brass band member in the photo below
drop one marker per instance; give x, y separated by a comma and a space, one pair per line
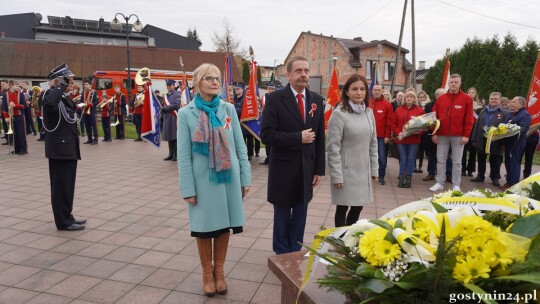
119, 112
75, 95
106, 109
13, 106
89, 113
62, 147
39, 117
4, 87
137, 105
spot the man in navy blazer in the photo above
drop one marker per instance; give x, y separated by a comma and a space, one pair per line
293, 124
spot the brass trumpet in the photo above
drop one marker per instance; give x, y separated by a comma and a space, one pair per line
10, 113
35, 96
104, 103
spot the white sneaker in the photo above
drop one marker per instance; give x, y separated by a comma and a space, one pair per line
456, 188
436, 187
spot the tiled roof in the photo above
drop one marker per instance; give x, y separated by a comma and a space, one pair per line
35, 59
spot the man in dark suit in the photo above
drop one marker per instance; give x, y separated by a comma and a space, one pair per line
169, 109
62, 147
293, 124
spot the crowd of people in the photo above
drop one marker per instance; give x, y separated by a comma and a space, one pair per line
214, 151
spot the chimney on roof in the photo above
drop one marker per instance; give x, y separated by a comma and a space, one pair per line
3, 34
101, 23
69, 22
358, 38
421, 65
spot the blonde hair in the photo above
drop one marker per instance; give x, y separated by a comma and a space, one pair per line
425, 94
412, 93
203, 70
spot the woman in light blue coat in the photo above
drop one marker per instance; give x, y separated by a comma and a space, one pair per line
214, 172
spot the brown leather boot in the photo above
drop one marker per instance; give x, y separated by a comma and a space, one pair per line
205, 254
220, 252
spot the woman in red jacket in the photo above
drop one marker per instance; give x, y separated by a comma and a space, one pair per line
408, 146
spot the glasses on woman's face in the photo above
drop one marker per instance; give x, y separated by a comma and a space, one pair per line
211, 79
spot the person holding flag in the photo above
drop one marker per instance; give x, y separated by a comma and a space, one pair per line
171, 103
214, 173
136, 104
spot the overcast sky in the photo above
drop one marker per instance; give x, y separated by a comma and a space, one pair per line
272, 27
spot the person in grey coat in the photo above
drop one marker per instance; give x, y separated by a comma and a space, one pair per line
490, 116
170, 106
352, 152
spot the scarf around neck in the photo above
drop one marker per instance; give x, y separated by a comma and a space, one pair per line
211, 141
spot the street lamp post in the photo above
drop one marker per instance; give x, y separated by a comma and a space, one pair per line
115, 24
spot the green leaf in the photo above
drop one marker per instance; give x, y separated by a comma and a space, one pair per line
379, 274
439, 208
398, 224
383, 224
365, 270
479, 290
528, 226
527, 277
375, 285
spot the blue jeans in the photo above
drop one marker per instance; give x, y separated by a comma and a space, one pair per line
289, 226
383, 155
407, 158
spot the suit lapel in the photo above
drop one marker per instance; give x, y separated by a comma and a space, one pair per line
309, 103
291, 104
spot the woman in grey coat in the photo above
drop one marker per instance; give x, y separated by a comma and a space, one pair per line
352, 152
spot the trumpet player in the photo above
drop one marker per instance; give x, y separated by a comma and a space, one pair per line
39, 116
75, 95
106, 117
4, 87
119, 111
29, 119
62, 147
13, 106
137, 105
89, 113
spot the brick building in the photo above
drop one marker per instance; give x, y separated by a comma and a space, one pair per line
354, 56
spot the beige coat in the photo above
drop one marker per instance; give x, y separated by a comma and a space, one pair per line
352, 156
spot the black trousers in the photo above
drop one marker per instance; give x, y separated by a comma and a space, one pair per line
4, 126
468, 164
120, 126
495, 162
19, 134
91, 127
40, 127
106, 125
530, 148
252, 142
137, 121
62, 174
30, 128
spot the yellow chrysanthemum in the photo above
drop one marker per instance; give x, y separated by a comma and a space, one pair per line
537, 211
369, 240
422, 231
385, 252
470, 269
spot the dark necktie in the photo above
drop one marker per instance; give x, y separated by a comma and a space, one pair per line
301, 106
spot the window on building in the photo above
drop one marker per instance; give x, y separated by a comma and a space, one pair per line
104, 84
389, 70
369, 68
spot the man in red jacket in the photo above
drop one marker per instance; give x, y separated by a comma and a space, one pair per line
382, 110
455, 112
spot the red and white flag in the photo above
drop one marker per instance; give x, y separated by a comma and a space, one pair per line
150, 117
446, 74
533, 104
332, 98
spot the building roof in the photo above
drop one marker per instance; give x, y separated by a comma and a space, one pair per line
166, 39
421, 74
35, 59
360, 44
24, 24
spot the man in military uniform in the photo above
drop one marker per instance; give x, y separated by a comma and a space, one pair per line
62, 147
89, 113
170, 106
119, 111
13, 106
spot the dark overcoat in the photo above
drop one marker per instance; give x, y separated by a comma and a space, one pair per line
477, 135
292, 164
169, 118
63, 142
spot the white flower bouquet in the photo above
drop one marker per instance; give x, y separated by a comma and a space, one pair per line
420, 124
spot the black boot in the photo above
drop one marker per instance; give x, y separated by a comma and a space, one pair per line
407, 181
401, 181
170, 152
174, 150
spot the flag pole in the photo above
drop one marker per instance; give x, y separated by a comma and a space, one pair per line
399, 48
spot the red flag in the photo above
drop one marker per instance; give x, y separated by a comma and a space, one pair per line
446, 74
250, 108
332, 98
150, 116
533, 104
